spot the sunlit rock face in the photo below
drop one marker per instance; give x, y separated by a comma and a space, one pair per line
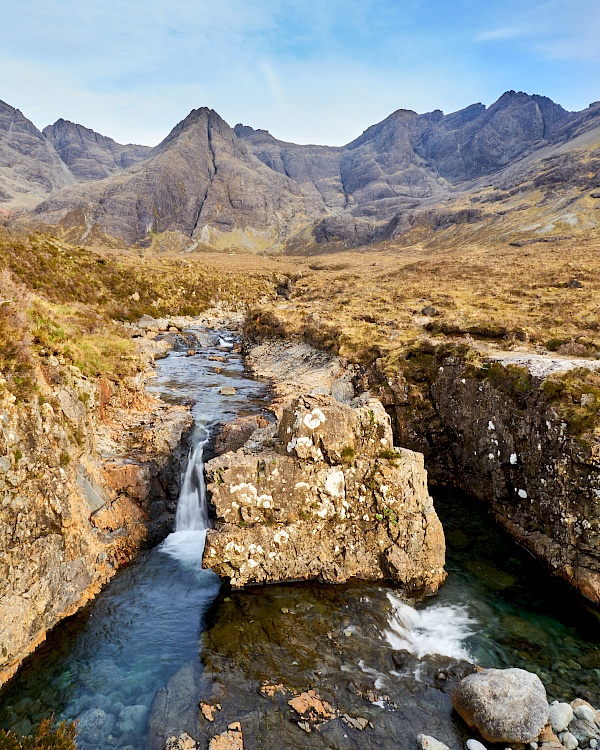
324, 495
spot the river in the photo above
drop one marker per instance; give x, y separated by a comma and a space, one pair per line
163, 618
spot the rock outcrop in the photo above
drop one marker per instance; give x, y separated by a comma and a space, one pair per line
90, 155
89, 474
494, 434
503, 705
324, 495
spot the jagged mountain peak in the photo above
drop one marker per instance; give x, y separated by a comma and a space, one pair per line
208, 182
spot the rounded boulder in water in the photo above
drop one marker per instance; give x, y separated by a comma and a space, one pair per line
503, 705
425, 742
95, 725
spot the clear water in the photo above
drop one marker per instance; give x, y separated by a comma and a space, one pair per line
105, 665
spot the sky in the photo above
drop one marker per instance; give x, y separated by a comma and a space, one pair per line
309, 71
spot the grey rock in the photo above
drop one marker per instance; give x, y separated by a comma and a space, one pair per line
132, 718
429, 310
584, 730
425, 742
568, 740
475, 745
586, 713
503, 705
561, 715
95, 725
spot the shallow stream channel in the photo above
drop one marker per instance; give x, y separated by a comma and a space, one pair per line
166, 647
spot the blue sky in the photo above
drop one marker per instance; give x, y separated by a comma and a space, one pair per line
318, 71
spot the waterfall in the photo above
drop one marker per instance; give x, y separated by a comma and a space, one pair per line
192, 512
186, 543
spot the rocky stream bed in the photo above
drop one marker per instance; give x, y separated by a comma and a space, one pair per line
167, 648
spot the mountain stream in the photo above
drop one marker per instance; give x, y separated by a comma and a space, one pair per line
164, 634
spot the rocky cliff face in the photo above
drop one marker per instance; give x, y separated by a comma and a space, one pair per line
201, 182
211, 185
500, 440
30, 169
90, 155
324, 495
89, 474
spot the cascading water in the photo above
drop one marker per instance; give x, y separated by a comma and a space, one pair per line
186, 543
437, 630
192, 514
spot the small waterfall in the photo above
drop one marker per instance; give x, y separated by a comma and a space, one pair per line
186, 543
192, 512
437, 630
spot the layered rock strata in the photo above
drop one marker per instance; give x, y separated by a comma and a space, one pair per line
89, 474
324, 495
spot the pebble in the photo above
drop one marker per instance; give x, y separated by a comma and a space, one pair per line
593, 744
533, 745
227, 391
425, 742
561, 715
586, 713
475, 745
569, 741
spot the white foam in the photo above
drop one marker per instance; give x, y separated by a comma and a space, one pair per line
186, 543
437, 630
186, 547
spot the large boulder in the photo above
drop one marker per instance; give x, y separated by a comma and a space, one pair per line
503, 705
324, 495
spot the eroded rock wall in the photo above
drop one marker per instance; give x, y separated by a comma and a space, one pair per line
516, 455
324, 495
89, 474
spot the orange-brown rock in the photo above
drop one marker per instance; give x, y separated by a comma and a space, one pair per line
89, 476
232, 739
324, 495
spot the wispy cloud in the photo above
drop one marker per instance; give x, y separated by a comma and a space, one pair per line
308, 70
554, 29
507, 32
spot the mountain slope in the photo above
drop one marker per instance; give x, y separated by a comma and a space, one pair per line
30, 168
90, 155
201, 182
522, 165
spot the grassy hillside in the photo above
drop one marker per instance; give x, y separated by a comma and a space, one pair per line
58, 299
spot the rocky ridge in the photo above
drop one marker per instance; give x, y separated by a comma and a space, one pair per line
210, 185
90, 155
35, 164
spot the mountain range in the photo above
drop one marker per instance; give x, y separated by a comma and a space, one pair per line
523, 168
